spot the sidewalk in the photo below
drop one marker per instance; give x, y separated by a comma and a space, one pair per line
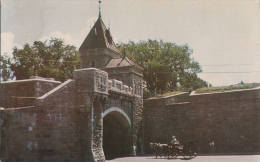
231, 158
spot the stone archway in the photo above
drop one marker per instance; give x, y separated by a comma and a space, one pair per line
116, 133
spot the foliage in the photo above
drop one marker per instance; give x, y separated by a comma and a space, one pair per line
50, 59
5, 71
228, 88
167, 66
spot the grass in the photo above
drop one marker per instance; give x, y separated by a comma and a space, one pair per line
227, 88
168, 94
214, 89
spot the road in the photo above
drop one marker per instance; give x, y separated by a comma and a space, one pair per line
235, 158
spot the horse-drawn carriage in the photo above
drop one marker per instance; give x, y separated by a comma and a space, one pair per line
174, 150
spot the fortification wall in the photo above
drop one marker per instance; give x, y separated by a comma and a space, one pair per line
18, 134
23, 92
59, 121
48, 131
227, 119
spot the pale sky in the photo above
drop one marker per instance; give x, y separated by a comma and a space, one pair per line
224, 34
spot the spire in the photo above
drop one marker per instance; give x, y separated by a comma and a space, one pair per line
99, 8
99, 37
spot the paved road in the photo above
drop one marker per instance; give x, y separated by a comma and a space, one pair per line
238, 158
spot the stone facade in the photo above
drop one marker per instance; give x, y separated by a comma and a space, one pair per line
94, 116
228, 119
66, 123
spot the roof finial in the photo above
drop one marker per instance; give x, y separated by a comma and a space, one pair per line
99, 7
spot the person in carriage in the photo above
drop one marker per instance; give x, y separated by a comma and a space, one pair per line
178, 149
174, 141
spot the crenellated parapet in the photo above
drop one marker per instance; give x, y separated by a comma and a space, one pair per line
118, 86
96, 80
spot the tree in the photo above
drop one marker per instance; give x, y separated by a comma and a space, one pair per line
5, 71
50, 59
167, 66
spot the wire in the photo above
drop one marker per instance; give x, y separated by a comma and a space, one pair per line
230, 72
230, 65
206, 72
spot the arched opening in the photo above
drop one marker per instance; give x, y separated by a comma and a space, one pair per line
116, 134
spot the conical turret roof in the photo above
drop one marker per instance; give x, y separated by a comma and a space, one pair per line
99, 37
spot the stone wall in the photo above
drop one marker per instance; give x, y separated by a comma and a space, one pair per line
229, 119
24, 92
18, 136
48, 131
59, 121
90, 100
138, 125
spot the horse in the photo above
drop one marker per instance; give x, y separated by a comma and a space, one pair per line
153, 147
159, 149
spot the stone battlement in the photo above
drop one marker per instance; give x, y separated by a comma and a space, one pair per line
118, 86
97, 81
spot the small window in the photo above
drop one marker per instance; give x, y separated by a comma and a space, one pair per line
96, 33
93, 64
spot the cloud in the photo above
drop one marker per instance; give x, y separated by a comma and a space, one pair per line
67, 38
8, 40
8, 43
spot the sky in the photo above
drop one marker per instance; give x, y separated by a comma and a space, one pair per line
224, 34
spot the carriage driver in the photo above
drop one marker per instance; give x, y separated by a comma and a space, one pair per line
174, 141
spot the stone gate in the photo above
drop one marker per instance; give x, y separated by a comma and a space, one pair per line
112, 117
94, 116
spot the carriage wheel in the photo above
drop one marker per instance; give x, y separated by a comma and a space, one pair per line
187, 157
172, 155
175, 155
190, 155
194, 154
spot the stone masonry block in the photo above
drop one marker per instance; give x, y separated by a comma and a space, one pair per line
91, 80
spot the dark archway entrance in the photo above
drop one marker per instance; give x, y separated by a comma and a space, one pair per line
116, 135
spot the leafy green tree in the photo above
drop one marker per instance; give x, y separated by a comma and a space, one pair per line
50, 59
167, 66
5, 71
